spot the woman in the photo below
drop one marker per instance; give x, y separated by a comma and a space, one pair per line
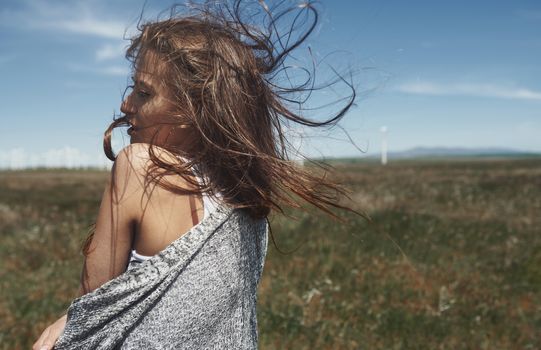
206, 125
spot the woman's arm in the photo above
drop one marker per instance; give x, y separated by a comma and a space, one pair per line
119, 211
111, 243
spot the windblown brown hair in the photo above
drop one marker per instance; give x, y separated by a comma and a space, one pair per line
223, 68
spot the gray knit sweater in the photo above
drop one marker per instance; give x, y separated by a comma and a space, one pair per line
198, 293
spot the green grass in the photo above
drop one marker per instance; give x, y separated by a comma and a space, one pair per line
451, 258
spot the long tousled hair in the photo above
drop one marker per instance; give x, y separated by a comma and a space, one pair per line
225, 71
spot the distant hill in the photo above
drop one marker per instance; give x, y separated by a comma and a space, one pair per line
444, 152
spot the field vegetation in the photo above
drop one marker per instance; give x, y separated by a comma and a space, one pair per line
450, 258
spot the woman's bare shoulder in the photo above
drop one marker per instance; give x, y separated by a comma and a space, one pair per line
133, 164
155, 225
135, 158
139, 153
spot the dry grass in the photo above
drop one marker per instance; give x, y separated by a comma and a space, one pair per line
466, 272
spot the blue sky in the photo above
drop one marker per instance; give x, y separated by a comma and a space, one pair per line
451, 74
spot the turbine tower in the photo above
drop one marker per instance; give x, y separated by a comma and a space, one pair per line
383, 145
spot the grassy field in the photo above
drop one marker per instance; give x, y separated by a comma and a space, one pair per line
451, 258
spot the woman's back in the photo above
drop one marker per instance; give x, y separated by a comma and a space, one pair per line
174, 224
199, 292
163, 216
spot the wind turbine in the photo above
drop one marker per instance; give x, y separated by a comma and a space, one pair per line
383, 130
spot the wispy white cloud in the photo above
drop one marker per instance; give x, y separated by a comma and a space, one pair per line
108, 51
469, 89
108, 70
76, 17
113, 70
89, 26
